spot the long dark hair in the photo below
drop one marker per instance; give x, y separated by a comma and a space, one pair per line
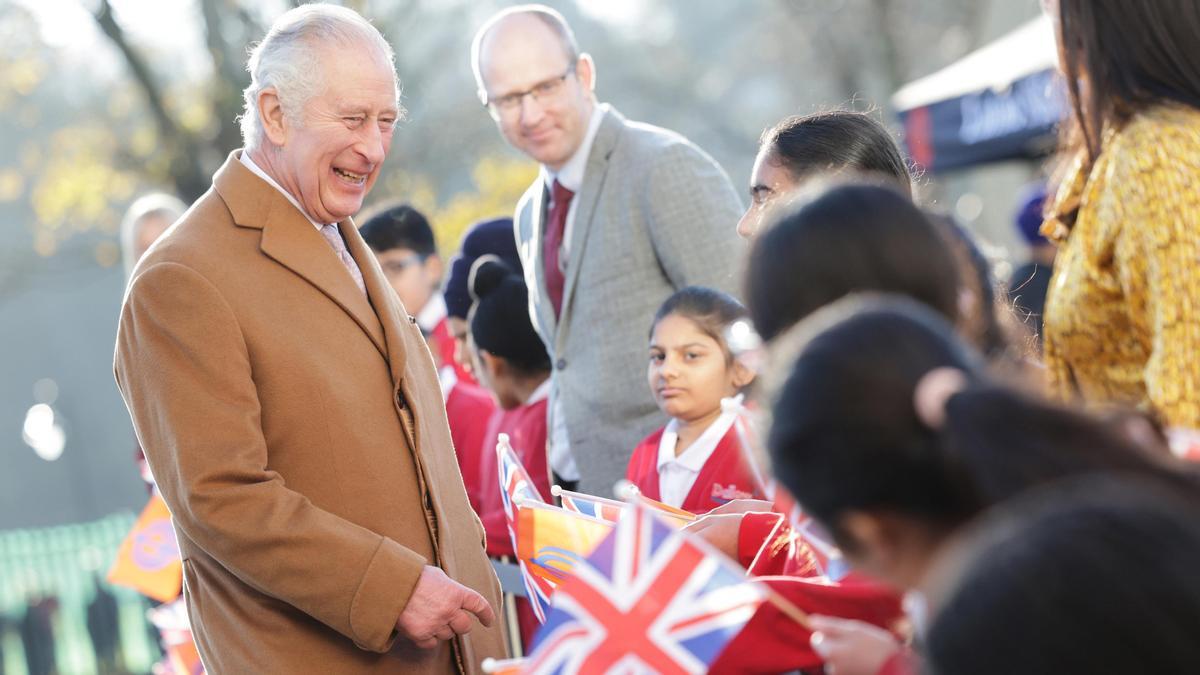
1131, 55
835, 140
852, 237
846, 435
1090, 575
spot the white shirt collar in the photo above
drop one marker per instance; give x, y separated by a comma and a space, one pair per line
432, 313
257, 170
448, 379
696, 454
571, 173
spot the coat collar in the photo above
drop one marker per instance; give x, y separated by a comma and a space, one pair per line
289, 238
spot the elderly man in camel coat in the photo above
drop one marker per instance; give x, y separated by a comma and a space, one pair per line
287, 403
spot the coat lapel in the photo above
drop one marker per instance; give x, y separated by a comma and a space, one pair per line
589, 195
383, 299
292, 241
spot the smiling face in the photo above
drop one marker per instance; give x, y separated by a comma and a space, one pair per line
330, 159
689, 372
768, 182
521, 54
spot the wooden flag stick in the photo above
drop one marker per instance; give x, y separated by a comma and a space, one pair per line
557, 491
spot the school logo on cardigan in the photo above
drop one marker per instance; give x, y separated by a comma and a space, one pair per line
722, 494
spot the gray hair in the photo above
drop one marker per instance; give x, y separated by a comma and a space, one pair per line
156, 204
550, 17
287, 60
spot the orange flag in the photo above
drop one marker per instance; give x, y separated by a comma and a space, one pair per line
148, 560
550, 539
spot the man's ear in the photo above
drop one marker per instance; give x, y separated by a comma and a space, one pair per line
270, 112
585, 70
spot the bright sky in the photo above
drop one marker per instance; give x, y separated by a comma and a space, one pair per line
175, 27
159, 26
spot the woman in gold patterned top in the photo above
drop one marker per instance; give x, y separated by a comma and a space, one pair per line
1122, 317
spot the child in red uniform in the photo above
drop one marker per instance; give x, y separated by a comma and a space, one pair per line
510, 361
696, 462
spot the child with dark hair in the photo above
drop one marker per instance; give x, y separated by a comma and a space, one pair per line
511, 362
486, 237
889, 431
697, 461
944, 441
1093, 575
845, 238
404, 245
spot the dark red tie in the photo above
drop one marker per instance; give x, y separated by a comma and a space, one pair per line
556, 225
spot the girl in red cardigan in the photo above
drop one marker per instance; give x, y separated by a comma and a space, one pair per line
696, 462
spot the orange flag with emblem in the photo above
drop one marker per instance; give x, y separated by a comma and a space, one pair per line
148, 560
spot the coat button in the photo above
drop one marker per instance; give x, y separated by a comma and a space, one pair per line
561, 364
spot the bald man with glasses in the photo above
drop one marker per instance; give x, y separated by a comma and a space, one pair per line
621, 216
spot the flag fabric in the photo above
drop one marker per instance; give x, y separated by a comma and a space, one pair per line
517, 487
649, 599
747, 439
588, 505
775, 643
552, 540
148, 560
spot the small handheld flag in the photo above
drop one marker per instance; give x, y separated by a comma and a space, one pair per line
650, 598
148, 560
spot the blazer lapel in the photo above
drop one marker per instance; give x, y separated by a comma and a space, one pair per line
292, 241
589, 195
537, 224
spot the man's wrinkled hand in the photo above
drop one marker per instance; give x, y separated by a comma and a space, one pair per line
441, 608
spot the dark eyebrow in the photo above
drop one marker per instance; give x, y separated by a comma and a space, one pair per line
755, 189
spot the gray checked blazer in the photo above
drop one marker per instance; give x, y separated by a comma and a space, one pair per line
654, 214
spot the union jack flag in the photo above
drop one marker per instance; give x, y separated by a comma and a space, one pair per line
650, 598
516, 486
596, 507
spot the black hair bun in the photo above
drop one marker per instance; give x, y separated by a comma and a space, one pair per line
487, 274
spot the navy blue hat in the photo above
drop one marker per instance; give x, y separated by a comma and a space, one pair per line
493, 237
1029, 217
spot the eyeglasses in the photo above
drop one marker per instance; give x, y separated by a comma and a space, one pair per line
542, 91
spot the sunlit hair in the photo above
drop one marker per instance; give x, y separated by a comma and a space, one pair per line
156, 204
289, 60
546, 15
